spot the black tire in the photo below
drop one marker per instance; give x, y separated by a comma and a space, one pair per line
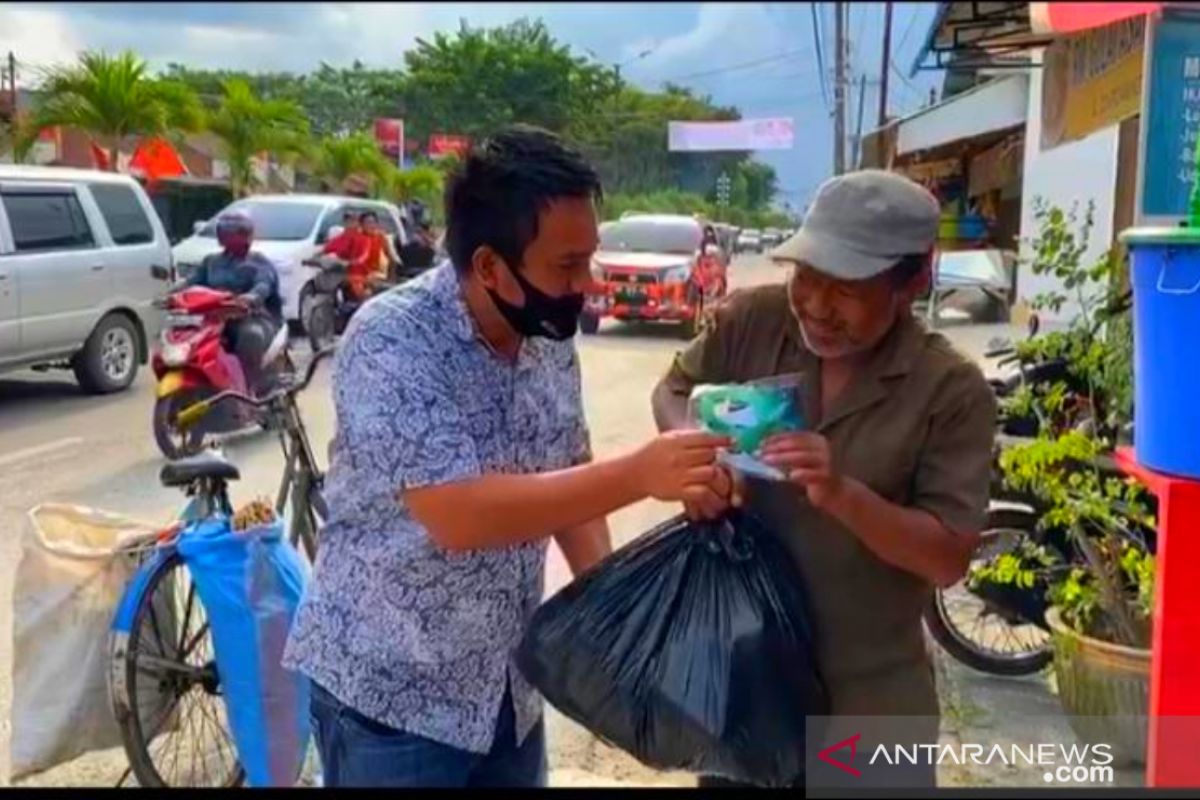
173, 443
108, 361
945, 629
321, 323
146, 697
589, 324
308, 295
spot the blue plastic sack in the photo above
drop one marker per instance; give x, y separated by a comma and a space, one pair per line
251, 583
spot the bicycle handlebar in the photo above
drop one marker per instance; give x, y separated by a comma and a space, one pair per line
196, 411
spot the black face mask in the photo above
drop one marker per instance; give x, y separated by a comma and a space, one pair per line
542, 315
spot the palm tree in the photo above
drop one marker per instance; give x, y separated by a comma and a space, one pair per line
111, 97
247, 126
422, 182
334, 160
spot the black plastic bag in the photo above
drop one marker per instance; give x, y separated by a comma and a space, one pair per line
689, 649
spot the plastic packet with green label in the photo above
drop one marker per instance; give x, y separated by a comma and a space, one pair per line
749, 413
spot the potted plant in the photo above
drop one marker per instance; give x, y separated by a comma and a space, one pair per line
1096, 586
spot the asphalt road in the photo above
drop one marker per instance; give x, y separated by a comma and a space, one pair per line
59, 445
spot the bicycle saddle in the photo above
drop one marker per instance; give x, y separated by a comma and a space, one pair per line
208, 464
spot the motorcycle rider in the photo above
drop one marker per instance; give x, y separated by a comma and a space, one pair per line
252, 277
380, 254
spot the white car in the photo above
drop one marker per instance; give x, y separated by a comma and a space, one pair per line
82, 257
288, 229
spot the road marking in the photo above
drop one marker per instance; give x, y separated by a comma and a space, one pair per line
39, 450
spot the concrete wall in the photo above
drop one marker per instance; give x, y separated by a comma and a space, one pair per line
1070, 173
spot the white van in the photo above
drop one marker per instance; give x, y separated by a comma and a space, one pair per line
289, 228
79, 254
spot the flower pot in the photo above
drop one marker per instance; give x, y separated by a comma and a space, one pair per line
1105, 690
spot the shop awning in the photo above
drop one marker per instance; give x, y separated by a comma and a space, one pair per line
1063, 18
994, 106
968, 36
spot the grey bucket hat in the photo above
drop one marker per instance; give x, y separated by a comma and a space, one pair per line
862, 223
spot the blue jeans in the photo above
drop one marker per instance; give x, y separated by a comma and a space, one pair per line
357, 751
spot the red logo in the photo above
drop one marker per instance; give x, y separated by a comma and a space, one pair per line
852, 743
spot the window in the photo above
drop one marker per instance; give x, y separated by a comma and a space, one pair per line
285, 221
651, 235
333, 218
120, 208
45, 221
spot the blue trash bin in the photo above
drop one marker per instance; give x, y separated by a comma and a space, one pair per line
1166, 344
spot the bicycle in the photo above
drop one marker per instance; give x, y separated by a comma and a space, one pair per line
163, 683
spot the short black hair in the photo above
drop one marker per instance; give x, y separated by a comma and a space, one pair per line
363, 216
494, 197
907, 268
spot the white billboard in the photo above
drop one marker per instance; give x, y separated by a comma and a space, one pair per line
773, 133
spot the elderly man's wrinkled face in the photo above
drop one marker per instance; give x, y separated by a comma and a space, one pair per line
841, 318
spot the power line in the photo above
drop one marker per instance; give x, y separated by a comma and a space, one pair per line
743, 65
912, 21
816, 26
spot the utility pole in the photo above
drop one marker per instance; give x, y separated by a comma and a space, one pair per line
839, 89
12, 84
887, 60
862, 93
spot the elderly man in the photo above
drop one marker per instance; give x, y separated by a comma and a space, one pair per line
887, 489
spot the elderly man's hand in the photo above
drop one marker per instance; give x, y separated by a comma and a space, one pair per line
714, 499
807, 461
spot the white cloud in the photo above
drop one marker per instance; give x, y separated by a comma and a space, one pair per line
38, 37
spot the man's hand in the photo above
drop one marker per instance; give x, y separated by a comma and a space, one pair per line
710, 502
807, 461
677, 464
250, 300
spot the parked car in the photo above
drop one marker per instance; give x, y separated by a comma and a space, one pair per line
77, 249
290, 229
749, 241
990, 272
651, 268
771, 237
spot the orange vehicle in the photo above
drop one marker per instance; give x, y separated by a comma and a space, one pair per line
653, 267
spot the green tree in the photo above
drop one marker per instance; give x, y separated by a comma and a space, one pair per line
334, 160
476, 81
248, 125
423, 182
111, 97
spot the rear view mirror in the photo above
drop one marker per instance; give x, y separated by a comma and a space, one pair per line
159, 272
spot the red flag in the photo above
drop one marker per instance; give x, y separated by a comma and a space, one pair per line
1074, 17
155, 158
99, 157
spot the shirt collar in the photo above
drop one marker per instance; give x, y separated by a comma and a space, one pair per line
448, 289
447, 285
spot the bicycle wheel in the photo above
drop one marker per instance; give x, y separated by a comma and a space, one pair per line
167, 697
976, 633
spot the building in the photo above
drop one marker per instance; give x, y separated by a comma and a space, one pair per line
1086, 68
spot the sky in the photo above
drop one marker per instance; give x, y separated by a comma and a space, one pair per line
759, 57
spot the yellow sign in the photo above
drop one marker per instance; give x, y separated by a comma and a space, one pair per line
1092, 80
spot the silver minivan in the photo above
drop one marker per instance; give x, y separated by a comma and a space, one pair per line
82, 257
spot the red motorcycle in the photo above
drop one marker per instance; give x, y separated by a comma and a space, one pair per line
192, 364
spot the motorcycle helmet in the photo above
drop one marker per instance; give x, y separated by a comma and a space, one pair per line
235, 230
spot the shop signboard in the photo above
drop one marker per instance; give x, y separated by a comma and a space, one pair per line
389, 135
775, 133
443, 144
1170, 119
1092, 80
